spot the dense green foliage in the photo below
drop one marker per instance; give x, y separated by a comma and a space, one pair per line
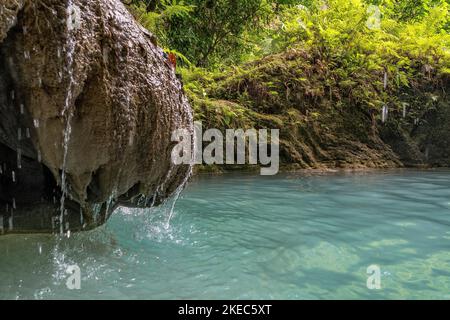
326, 67
218, 33
205, 32
364, 53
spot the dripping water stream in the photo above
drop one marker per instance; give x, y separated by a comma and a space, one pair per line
67, 112
176, 196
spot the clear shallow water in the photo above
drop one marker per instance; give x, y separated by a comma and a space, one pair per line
251, 237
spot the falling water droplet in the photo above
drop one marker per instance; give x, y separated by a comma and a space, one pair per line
19, 158
27, 133
14, 203
2, 230
36, 123
22, 108
384, 114
66, 225
40, 248
13, 176
131, 140
105, 55
11, 226
19, 134
13, 95
81, 216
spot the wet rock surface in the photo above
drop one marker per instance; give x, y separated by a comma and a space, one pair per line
8, 13
88, 104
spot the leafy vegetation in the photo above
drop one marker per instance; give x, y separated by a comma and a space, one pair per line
215, 34
251, 63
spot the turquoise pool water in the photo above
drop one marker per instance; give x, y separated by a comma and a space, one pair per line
248, 237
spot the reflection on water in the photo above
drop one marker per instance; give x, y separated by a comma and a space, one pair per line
291, 236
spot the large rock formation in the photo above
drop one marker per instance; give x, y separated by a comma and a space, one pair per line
88, 103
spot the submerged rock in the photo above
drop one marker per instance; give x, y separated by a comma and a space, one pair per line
87, 107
